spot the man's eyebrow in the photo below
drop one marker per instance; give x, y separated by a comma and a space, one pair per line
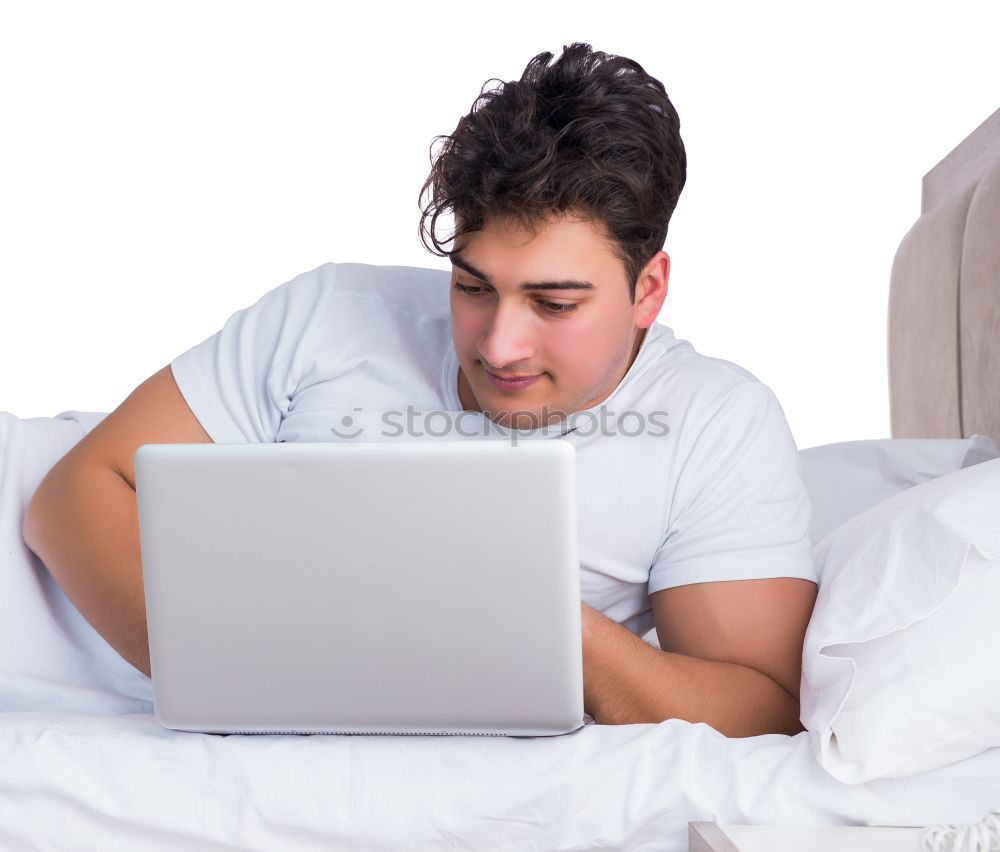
528, 285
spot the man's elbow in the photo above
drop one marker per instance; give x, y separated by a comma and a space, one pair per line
786, 718
794, 725
789, 683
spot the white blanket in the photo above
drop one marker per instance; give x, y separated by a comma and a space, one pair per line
88, 782
85, 765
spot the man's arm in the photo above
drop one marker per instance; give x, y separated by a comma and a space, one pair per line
731, 657
82, 520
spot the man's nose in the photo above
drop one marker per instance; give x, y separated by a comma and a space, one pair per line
508, 339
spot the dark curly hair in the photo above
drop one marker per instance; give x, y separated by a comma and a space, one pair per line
592, 136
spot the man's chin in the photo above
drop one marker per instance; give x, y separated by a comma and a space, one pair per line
524, 417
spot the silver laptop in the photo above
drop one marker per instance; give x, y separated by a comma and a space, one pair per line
400, 587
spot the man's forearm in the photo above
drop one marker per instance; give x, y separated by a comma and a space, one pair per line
85, 531
626, 680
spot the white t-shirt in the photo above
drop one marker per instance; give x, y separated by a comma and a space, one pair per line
686, 473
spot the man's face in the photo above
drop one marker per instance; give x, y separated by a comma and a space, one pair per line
577, 335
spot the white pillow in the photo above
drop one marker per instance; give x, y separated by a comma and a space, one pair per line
900, 672
848, 477
51, 658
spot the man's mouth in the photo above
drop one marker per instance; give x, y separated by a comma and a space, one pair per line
511, 384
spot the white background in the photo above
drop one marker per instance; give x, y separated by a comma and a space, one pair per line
163, 165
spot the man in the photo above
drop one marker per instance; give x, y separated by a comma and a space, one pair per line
693, 514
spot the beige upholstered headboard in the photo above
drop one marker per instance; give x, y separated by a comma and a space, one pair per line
944, 299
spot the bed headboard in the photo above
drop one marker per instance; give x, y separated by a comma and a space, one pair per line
944, 299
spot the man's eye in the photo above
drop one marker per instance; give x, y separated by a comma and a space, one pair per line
558, 308
553, 307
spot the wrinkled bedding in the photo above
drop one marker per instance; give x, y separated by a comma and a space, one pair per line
85, 765
90, 782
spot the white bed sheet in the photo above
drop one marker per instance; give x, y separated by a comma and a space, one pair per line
84, 764
123, 782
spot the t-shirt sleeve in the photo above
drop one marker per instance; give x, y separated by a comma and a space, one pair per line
740, 507
239, 381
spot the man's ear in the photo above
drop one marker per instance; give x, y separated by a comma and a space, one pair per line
651, 289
